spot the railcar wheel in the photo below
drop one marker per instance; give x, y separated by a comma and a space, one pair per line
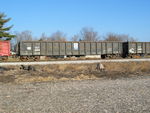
36, 58
103, 56
24, 58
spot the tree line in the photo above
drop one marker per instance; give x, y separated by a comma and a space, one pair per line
85, 34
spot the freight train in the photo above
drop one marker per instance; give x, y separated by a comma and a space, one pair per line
36, 49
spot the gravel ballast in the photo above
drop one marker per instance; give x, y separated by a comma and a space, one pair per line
126, 95
73, 62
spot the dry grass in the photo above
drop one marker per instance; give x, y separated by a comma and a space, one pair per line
64, 72
130, 67
34, 79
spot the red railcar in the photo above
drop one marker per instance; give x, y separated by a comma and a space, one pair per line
4, 48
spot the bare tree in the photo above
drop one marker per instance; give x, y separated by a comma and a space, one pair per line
113, 37
75, 38
119, 37
20, 36
88, 34
25, 35
43, 37
13, 44
58, 36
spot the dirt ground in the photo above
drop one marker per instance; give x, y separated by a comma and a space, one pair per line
41, 73
80, 88
123, 95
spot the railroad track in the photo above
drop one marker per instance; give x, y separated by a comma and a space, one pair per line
72, 62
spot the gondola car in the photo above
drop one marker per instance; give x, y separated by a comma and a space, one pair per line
136, 49
35, 49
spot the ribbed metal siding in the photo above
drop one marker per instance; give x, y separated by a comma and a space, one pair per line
26, 48
138, 47
104, 51
87, 48
62, 48
147, 47
49, 49
93, 48
99, 48
36, 49
70, 48
82, 48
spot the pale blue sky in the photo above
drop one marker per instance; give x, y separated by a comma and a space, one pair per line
119, 16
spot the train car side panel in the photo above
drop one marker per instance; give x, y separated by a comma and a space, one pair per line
36, 49
88, 48
75, 48
56, 47
93, 48
109, 48
147, 48
49, 49
62, 48
99, 48
4, 48
26, 48
143, 47
132, 48
139, 47
82, 48
121, 48
68, 48
43, 48
116, 48
104, 51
